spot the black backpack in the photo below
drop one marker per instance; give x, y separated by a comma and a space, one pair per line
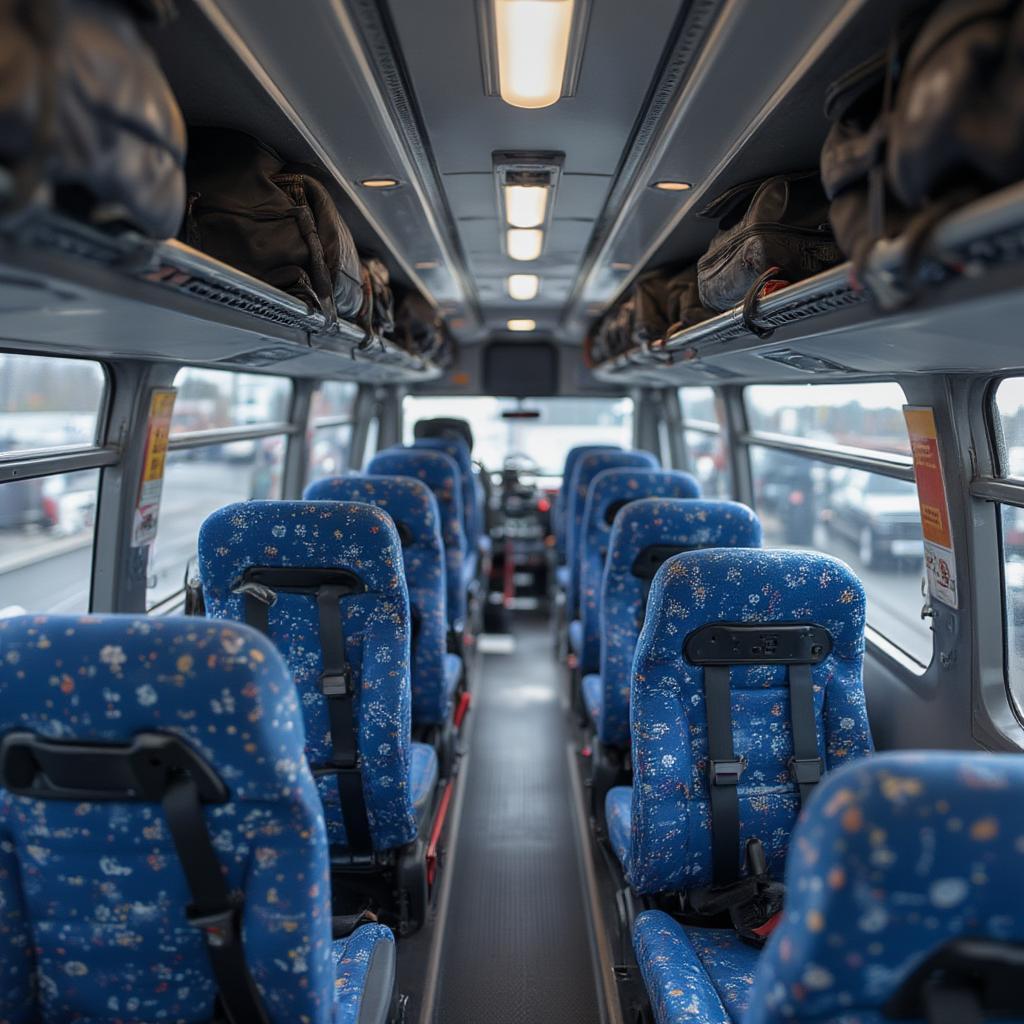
777, 229
87, 118
276, 222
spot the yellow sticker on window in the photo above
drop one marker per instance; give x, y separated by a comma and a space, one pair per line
151, 484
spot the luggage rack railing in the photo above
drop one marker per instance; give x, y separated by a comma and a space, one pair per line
178, 269
984, 234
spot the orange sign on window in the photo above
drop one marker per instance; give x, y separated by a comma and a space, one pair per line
940, 563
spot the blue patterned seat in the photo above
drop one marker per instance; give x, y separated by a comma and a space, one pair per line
611, 491
639, 530
670, 838
94, 901
413, 507
262, 544
898, 856
440, 473
472, 511
560, 511
587, 467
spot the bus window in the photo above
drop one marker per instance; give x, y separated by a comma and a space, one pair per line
543, 442
869, 519
331, 419
228, 440
705, 442
48, 406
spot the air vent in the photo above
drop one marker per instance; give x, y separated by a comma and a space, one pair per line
262, 356
802, 361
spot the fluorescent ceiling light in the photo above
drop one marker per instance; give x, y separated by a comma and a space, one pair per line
533, 46
525, 205
523, 287
524, 243
380, 183
521, 325
672, 186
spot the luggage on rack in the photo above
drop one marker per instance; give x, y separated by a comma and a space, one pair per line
378, 312
87, 118
651, 318
776, 230
683, 306
277, 222
614, 332
421, 331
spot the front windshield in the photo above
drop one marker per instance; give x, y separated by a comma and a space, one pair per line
562, 424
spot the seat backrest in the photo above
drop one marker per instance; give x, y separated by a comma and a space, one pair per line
898, 856
472, 512
445, 426
671, 846
646, 533
611, 491
238, 541
587, 467
560, 512
413, 507
440, 473
94, 898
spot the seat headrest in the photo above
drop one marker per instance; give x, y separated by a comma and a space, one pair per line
445, 427
613, 489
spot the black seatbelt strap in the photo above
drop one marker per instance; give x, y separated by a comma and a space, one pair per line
806, 766
336, 684
724, 770
215, 911
258, 601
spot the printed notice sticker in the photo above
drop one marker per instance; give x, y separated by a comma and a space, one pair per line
158, 432
940, 563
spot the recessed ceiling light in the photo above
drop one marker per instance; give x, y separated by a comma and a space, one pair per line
521, 325
672, 186
533, 46
380, 183
622, 266
524, 243
523, 287
426, 265
525, 205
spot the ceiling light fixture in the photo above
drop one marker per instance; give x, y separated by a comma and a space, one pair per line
622, 267
523, 287
380, 183
672, 186
532, 38
524, 243
526, 205
426, 265
521, 325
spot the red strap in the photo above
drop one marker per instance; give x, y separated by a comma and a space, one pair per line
768, 927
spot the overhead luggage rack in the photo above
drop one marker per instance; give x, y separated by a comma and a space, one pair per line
966, 288
127, 295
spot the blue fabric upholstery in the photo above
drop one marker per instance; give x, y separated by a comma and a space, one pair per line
671, 824
650, 521
330, 534
575, 636
452, 676
563, 577
92, 896
618, 811
413, 507
587, 467
472, 511
423, 772
693, 974
560, 510
441, 474
897, 855
609, 489
592, 696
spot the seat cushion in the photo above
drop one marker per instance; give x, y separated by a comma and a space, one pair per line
452, 675
423, 773
576, 636
618, 810
693, 974
593, 696
364, 965
563, 575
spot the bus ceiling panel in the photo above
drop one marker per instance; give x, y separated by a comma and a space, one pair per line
67, 287
960, 313
305, 77
752, 107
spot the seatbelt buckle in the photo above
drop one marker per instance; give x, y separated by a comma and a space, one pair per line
806, 771
726, 772
219, 927
336, 684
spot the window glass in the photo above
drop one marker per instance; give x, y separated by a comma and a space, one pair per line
334, 398
872, 522
197, 481
1013, 578
709, 463
868, 416
699, 407
328, 453
212, 399
46, 542
1010, 406
545, 440
48, 403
